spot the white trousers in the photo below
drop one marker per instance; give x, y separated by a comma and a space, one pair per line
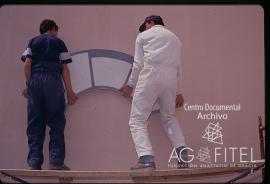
155, 84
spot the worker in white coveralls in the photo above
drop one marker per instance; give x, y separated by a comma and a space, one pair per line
156, 78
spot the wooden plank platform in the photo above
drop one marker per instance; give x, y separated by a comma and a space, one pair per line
157, 175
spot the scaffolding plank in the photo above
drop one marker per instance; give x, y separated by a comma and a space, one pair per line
190, 173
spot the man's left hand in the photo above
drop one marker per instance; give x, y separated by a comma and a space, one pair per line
72, 97
24, 93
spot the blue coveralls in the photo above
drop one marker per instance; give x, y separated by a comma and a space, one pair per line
46, 101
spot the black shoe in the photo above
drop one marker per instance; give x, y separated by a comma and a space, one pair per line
140, 166
183, 164
35, 167
59, 167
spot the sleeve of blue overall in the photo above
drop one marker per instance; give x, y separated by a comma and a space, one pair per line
23, 57
27, 53
64, 56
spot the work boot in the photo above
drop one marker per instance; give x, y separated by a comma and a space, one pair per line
182, 164
59, 167
35, 167
145, 163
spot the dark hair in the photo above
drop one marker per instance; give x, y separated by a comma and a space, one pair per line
157, 21
46, 25
155, 18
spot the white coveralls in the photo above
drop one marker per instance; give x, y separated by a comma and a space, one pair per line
155, 73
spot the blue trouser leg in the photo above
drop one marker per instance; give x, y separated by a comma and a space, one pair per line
36, 126
46, 105
55, 109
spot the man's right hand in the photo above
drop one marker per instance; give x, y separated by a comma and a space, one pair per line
179, 101
126, 91
72, 97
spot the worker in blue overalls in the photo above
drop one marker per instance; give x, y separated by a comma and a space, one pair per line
45, 65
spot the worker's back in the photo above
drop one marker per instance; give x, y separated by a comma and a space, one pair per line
161, 46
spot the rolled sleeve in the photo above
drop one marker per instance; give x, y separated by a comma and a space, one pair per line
65, 57
26, 54
64, 54
23, 57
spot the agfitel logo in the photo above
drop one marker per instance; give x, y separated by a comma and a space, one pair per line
220, 154
213, 133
